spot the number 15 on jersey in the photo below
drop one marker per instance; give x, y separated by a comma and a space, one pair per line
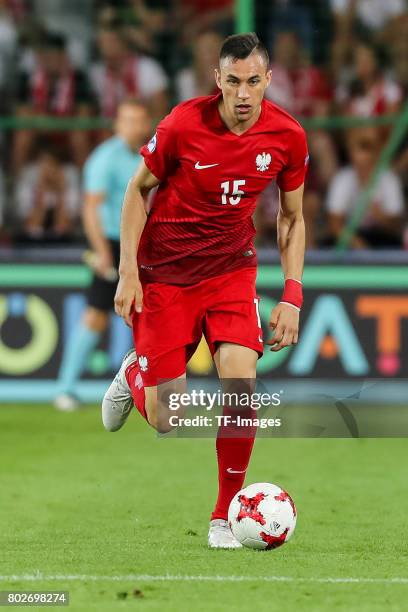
232, 192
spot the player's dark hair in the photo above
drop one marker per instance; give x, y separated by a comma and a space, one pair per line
240, 46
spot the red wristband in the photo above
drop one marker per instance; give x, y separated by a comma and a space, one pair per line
293, 293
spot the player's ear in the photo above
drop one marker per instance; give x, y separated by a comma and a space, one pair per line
217, 75
268, 77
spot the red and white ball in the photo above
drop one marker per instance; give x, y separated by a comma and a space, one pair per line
262, 516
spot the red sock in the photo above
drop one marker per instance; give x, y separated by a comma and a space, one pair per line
135, 382
234, 446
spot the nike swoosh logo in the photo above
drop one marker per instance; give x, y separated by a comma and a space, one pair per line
231, 471
198, 167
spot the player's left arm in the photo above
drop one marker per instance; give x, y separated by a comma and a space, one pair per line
291, 242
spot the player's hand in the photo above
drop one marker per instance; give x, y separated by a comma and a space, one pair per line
285, 325
129, 296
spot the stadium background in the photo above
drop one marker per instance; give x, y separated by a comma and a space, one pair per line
121, 520
341, 70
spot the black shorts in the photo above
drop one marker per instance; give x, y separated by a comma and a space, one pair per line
102, 292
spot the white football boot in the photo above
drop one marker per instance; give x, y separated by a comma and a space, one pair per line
117, 401
220, 535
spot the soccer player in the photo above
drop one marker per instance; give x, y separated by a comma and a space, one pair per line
106, 175
195, 272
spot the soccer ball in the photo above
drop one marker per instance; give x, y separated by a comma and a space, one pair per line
262, 516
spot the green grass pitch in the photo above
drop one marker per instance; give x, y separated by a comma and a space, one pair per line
120, 520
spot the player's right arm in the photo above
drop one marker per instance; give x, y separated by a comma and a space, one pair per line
129, 291
160, 158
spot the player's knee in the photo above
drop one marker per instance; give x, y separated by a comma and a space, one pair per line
240, 369
236, 362
237, 371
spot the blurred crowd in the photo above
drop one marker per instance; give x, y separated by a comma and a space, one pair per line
81, 58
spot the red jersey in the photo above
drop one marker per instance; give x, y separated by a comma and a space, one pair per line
200, 224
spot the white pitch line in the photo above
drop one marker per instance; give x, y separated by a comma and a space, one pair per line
38, 577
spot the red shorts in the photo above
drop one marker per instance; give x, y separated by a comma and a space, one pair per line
168, 330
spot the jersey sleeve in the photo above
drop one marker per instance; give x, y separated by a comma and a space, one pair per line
293, 174
160, 153
96, 174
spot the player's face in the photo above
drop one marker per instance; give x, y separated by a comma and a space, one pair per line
243, 83
133, 124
